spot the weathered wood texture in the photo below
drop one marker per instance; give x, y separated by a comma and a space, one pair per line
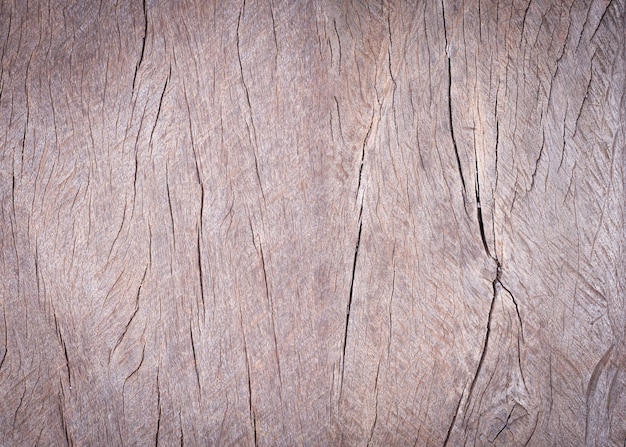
313, 223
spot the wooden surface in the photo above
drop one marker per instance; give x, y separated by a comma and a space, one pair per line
312, 223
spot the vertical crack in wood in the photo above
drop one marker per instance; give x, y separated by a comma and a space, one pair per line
456, 413
6, 337
538, 160
479, 211
351, 295
338, 44
132, 317
252, 135
156, 440
195, 359
483, 353
367, 134
156, 120
270, 302
169, 203
143, 43
519, 318
450, 120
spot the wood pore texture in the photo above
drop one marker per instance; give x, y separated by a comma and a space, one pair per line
316, 223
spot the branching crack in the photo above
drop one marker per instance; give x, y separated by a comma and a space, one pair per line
496, 287
506, 424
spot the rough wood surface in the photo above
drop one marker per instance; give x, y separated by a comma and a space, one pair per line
313, 223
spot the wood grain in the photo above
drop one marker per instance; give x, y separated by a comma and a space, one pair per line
313, 223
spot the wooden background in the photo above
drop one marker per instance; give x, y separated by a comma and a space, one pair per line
312, 223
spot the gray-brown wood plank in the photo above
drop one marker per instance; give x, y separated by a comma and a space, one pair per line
312, 223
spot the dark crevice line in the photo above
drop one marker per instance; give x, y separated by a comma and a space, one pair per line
143, 43
564, 142
497, 138
201, 272
456, 413
136, 167
519, 318
582, 105
519, 359
339, 119
506, 424
391, 75
274, 28
197, 162
601, 20
64, 423
532, 433
67, 360
483, 353
156, 120
479, 211
133, 372
119, 340
252, 414
534, 174
350, 297
524, 19
6, 337
19, 407
119, 231
181, 439
456, 149
195, 359
369, 131
243, 79
451, 122
169, 202
270, 302
251, 132
338, 43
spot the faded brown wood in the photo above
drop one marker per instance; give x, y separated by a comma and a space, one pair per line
320, 223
